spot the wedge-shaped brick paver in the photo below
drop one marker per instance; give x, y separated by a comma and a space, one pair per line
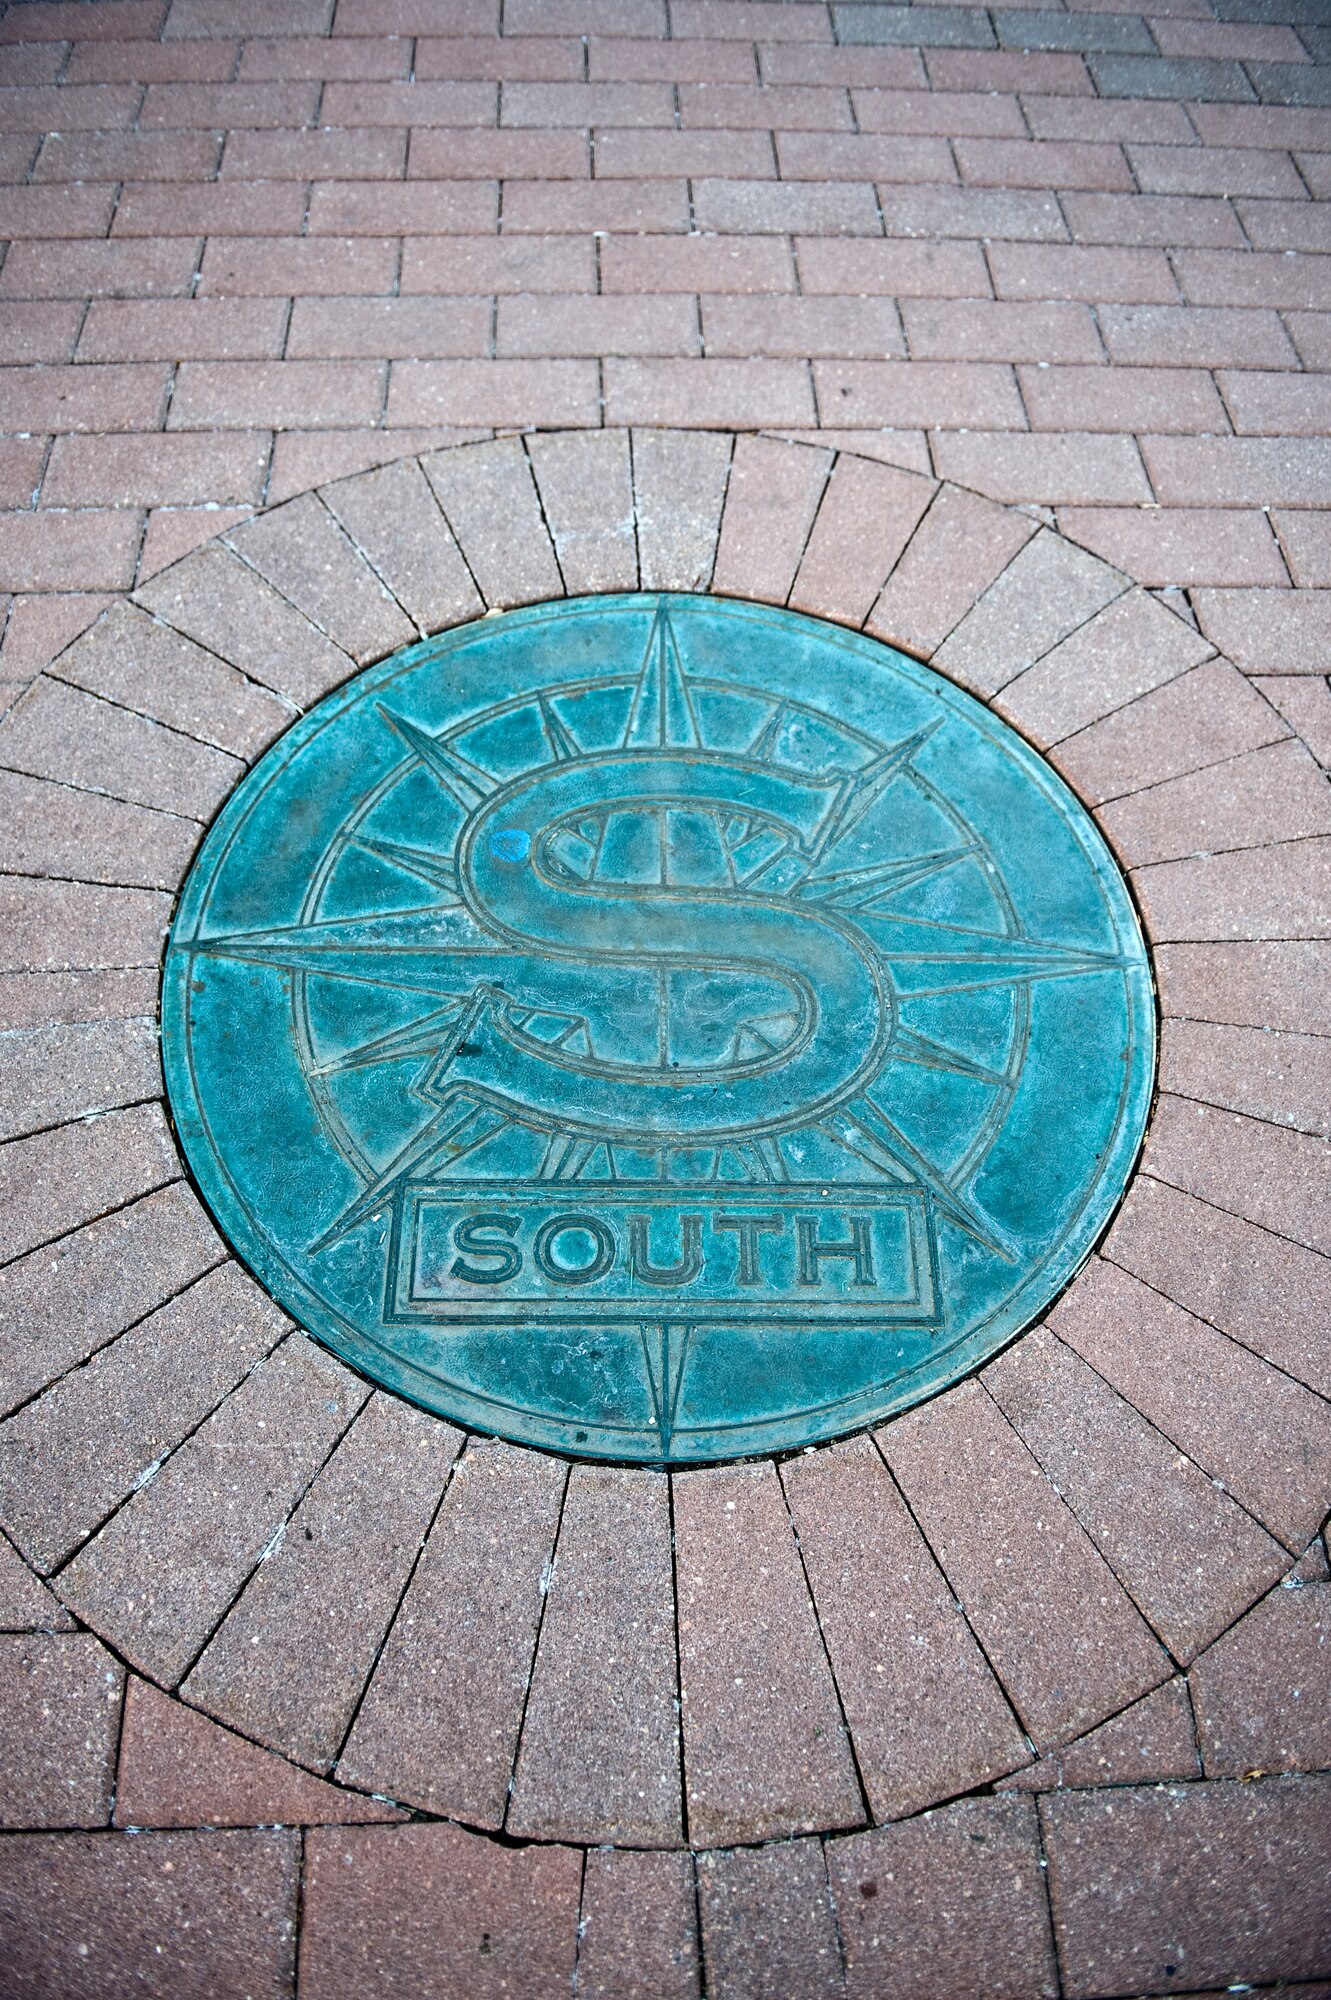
1237, 1417
60, 732
158, 1577
160, 1916
1271, 1176
962, 544
867, 515
69, 926
213, 598
1259, 892
439, 1724
1269, 631
925, 1713
1305, 703
1263, 1692
432, 1909
1198, 718
176, 1768
26, 1605
771, 500
599, 1759
58, 1730
69, 1458
767, 1924
950, 1903
490, 499
638, 1934
1156, 1738
765, 1749
75, 1069
1066, 468
586, 488
1178, 1888
129, 658
50, 829
304, 554
394, 519
1191, 1559
289, 1661
1285, 1078
679, 487
1126, 650
54, 1181
59, 1304
36, 999
1045, 593
1066, 1641
1274, 794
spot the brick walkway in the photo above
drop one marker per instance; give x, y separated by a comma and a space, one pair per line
1027, 1695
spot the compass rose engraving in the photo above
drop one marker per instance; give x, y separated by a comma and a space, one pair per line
666, 1005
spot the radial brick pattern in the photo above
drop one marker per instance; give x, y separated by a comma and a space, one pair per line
1001, 334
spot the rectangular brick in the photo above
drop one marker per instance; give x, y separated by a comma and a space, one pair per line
623, 59
1122, 399
151, 62
55, 211
1057, 75
296, 58
99, 270
483, 59
215, 600
1203, 38
777, 20
1265, 405
930, 26
1286, 1078
58, 731
1180, 546
232, 17
973, 395
582, 325
93, 107
1020, 163
733, 394
477, 265
1240, 472
1271, 892
155, 471
1264, 1172
183, 330
764, 1744
57, 1750
1254, 278
110, 398
388, 328
947, 113
52, 21
1018, 215
855, 328
963, 543
863, 156
1227, 170
767, 1922
227, 106
1104, 119
1066, 1641
416, 17
805, 62
1152, 218
1216, 82
78, 1070
586, 104
493, 392
86, 550
439, 154
405, 104
773, 493
833, 208
626, 153
778, 107
981, 330
893, 270
679, 484
585, 17
1262, 125
54, 830
270, 395
639, 1926
1074, 271
1196, 719
1196, 336
492, 506
213, 208
400, 208
266, 266
18, 150
1286, 225
33, 63
39, 332
543, 207
376, 154
1127, 649
1264, 631
1306, 542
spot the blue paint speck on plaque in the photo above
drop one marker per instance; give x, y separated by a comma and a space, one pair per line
658, 1028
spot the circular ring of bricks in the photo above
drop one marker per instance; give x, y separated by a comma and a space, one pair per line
1007, 1588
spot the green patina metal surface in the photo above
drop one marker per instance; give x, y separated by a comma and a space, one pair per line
658, 1028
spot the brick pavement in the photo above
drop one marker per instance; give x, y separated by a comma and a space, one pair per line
1035, 1693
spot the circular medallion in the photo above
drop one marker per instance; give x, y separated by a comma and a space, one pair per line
658, 1028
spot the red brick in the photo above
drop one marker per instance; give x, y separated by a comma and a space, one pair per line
1271, 892
300, 57
21, 464
1214, 169
493, 392
1268, 632
1197, 336
764, 1744
247, 267
788, 108
408, 104
475, 59
1263, 1172
1155, 1738
1152, 218
176, 1768
57, 1180
1180, 545
306, 555
32, 62
302, 459
975, 395
1052, 469
1277, 405
1221, 1882
25, 1604
149, 471
151, 62
81, 551
867, 515
1121, 399
359, 155
52, 21
586, 104
1285, 1078
433, 1909
546, 207
215, 106
391, 328
582, 325
736, 394
1201, 38
1066, 271
492, 506
183, 330
99, 270
55, 212
888, 68
17, 153
1306, 541
1067, 1643
110, 398
1262, 125
771, 498
40, 627
955, 1897
1057, 75
1314, 169
173, 531
862, 156
138, 156
1254, 278
1306, 706
1239, 472
392, 515
232, 17
1199, 718
638, 1934
586, 487
963, 543
1262, 1695
1019, 163
159, 1916
479, 265
973, 212
834, 208
388, 208
416, 17
276, 394
621, 59
895, 269
679, 484
776, 20
767, 1923
226, 208
585, 17
1129, 648
867, 328
949, 114
441, 154
58, 731
94, 107
981, 330
215, 600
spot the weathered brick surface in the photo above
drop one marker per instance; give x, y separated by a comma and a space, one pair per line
586, 489
490, 500
638, 1932
867, 515
58, 1735
1156, 1738
1262, 1692
215, 600
394, 518
771, 500
305, 555
58, 1179
767, 1922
